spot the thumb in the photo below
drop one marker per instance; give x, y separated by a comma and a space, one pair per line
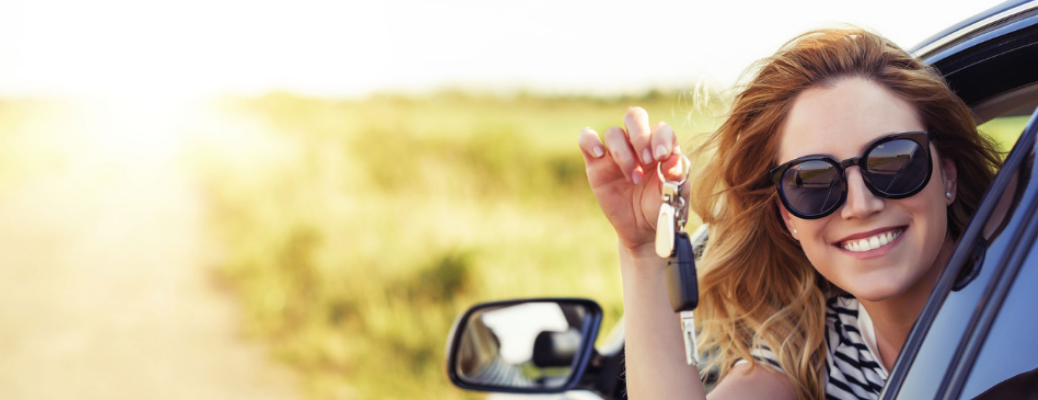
674, 167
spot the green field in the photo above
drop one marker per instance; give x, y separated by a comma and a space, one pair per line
371, 224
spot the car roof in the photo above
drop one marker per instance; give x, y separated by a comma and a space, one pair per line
989, 55
972, 25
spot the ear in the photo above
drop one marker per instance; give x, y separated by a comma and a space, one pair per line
949, 177
787, 218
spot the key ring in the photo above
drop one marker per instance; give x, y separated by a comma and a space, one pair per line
684, 175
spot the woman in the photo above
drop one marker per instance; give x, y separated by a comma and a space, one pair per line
834, 191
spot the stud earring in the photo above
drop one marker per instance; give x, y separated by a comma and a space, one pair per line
948, 195
794, 231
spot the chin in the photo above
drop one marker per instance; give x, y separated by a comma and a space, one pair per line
876, 292
875, 295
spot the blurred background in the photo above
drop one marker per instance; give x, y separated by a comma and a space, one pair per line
267, 199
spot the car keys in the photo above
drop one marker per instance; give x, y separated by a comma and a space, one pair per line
673, 244
665, 226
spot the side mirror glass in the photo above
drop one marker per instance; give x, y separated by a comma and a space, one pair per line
523, 346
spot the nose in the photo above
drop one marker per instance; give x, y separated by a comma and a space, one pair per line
861, 203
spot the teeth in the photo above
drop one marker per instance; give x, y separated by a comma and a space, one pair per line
871, 243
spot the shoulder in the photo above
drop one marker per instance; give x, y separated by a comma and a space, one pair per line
748, 382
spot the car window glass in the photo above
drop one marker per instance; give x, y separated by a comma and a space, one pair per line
1004, 130
1008, 361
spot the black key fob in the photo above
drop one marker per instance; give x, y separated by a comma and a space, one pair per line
681, 275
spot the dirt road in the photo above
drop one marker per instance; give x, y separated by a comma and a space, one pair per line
104, 291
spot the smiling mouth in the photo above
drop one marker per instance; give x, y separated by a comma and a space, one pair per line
872, 242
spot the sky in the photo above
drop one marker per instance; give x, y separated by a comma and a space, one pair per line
353, 48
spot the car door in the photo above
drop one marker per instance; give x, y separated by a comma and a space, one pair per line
999, 358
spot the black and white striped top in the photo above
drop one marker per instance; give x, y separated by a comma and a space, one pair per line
852, 370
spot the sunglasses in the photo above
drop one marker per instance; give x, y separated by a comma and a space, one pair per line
893, 167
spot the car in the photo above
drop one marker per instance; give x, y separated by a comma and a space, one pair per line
974, 337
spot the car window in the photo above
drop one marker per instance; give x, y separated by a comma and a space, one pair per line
1007, 365
1004, 130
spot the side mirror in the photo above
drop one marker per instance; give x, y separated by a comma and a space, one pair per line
523, 346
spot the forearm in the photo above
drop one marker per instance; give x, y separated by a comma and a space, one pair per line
655, 358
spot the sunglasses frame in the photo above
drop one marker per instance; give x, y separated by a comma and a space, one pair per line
922, 138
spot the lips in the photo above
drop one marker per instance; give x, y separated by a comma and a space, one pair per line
872, 242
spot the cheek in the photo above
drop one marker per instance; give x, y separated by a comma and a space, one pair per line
932, 213
812, 241
929, 208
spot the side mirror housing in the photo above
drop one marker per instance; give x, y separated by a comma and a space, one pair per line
524, 346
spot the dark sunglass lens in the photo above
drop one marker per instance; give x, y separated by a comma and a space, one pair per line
897, 167
812, 187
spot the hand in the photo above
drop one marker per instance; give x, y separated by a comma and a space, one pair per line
623, 174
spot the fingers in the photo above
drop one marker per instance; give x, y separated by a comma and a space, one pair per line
663, 141
673, 167
636, 124
590, 145
635, 148
623, 155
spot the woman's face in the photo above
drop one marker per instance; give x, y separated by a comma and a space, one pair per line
840, 121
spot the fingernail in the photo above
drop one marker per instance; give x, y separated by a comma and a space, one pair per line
661, 152
597, 151
646, 157
636, 177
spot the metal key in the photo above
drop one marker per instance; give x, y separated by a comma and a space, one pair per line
667, 225
673, 244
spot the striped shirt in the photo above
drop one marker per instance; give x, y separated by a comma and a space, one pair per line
852, 370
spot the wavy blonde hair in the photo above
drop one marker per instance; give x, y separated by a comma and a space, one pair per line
757, 287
